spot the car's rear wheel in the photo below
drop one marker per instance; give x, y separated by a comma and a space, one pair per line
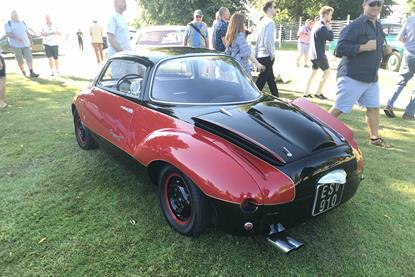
185, 207
82, 134
394, 62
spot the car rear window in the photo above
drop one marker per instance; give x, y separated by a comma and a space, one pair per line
202, 80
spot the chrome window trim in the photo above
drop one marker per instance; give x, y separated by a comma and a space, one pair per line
153, 75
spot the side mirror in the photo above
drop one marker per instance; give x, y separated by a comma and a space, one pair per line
135, 88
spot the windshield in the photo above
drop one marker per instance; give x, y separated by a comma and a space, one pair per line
203, 80
161, 37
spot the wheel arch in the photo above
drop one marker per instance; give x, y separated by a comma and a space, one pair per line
216, 172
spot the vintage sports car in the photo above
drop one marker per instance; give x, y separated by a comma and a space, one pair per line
221, 152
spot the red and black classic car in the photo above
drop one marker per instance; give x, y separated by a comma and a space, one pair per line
220, 151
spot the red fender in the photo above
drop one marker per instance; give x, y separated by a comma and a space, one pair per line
217, 173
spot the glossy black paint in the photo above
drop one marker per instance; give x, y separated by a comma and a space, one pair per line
306, 172
270, 129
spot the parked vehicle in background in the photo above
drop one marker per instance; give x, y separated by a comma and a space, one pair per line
390, 62
37, 43
159, 36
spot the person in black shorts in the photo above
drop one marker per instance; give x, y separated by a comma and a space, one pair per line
319, 35
50, 34
3, 104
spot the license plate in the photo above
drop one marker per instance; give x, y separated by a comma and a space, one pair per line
327, 197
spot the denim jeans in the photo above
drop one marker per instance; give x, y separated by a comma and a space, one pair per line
406, 73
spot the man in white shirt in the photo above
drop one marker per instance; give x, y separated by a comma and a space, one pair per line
118, 33
50, 36
21, 42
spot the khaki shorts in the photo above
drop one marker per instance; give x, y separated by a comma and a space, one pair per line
21, 53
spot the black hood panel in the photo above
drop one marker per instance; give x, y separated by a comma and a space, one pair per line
274, 126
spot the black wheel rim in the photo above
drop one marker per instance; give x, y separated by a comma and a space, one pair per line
178, 199
80, 130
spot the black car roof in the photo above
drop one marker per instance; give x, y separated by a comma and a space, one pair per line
156, 54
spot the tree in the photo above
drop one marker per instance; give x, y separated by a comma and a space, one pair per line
310, 8
181, 11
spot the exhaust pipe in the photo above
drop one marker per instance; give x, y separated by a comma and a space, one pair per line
279, 238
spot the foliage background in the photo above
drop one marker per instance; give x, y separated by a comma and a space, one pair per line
180, 12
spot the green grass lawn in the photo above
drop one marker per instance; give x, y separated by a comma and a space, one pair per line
65, 211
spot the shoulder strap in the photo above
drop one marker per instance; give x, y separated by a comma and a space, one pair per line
197, 30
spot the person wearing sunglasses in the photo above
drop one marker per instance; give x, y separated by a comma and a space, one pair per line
407, 37
196, 35
361, 46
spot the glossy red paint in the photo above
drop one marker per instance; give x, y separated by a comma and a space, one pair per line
324, 117
220, 169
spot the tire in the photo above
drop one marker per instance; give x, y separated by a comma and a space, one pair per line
394, 62
184, 206
82, 134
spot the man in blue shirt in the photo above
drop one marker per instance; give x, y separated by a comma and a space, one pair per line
407, 36
220, 29
21, 42
197, 32
361, 46
319, 35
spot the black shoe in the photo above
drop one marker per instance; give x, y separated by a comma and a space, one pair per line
389, 112
33, 75
321, 96
308, 96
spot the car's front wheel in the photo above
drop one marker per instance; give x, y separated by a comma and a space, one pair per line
394, 62
82, 134
185, 207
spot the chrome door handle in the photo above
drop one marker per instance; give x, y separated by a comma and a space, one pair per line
128, 110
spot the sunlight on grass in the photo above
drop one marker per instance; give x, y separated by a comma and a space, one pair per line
65, 211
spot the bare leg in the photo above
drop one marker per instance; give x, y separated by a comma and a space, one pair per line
21, 66
335, 112
372, 120
96, 50
101, 54
2, 92
51, 64
310, 81
298, 59
305, 59
323, 81
56, 62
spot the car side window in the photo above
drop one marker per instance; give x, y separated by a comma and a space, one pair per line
124, 77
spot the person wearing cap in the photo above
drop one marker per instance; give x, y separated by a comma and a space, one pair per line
96, 33
197, 32
407, 37
265, 48
361, 46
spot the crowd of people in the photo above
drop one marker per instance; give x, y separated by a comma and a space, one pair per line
361, 46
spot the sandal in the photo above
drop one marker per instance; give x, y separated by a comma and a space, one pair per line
308, 96
380, 143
